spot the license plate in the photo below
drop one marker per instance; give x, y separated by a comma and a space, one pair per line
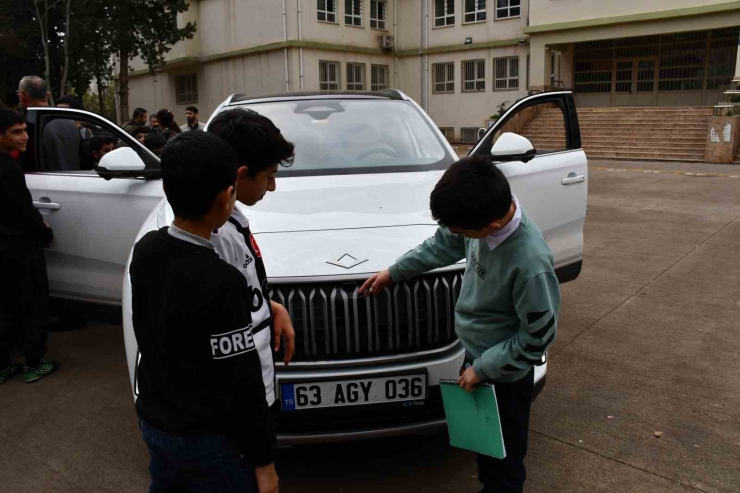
353, 392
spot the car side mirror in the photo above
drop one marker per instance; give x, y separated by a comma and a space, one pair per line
122, 159
124, 162
512, 147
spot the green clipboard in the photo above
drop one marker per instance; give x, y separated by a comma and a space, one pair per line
473, 419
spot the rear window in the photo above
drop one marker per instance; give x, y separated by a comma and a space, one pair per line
356, 136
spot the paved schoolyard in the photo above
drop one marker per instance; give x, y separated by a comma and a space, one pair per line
648, 342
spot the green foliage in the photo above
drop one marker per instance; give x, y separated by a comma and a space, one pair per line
145, 28
99, 31
91, 100
500, 112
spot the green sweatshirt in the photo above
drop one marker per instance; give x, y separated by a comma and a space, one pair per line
507, 313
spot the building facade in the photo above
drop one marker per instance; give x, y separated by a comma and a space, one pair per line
459, 59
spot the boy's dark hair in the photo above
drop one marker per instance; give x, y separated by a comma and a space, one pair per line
139, 112
257, 141
8, 118
192, 108
196, 167
99, 140
140, 130
165, 117
72, 100
471, 194
154, 140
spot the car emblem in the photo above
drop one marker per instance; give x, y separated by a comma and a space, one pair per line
347, 261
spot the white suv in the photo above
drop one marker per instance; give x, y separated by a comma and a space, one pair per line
356, 199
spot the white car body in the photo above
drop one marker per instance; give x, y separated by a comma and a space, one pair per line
304, 229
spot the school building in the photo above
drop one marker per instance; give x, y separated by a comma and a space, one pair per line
459, 59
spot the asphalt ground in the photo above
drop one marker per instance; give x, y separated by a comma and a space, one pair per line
648, 342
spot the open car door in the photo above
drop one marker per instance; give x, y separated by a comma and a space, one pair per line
95, 220
553, 185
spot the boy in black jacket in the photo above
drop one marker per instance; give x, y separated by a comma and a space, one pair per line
24, 286
201, 401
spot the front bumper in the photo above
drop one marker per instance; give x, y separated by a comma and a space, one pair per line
351, 423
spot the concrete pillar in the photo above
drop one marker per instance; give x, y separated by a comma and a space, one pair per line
539, 63
723, 136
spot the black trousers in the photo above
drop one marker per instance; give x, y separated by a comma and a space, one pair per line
24, 298
514, 403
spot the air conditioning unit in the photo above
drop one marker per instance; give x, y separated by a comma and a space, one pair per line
386, 42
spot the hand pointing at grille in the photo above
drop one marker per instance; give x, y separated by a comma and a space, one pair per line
376, 283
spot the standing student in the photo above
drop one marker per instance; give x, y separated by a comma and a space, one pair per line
201, 404
507, 313
261, 149
23, 280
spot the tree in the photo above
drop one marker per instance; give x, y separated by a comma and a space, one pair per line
40, 10
90, 50
144, 28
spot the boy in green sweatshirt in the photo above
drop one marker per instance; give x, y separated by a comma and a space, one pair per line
506, 316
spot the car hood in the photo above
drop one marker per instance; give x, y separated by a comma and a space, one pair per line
338, 226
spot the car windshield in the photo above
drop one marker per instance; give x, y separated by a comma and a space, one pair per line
356, 136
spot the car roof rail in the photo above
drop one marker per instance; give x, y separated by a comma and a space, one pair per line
231, 98
393, 93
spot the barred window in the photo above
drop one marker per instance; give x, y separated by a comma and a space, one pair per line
506, 9
444, 77
326, 10
328, 76
473, 75
379, 77
355, 76
444, 13
475, 11
449, 133
187, 89
469, 135
682, 62
378, 13
353, 12
506, 73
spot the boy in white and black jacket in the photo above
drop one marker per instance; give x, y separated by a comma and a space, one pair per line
261, 149
201, 404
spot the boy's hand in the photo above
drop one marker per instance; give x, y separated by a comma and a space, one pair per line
267, 478
53, 239
468, 380
377, 283
283, 329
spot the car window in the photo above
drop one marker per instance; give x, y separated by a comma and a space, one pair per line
543, 123
74, 143
363, 136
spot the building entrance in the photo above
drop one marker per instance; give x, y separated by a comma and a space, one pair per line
682, 69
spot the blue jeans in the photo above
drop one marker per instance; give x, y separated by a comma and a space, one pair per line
195, 464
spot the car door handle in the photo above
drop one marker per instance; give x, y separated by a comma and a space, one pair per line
573, 179
47, 205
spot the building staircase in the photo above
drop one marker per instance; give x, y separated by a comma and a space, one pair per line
641, 134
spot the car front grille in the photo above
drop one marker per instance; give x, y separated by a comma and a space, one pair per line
333, 322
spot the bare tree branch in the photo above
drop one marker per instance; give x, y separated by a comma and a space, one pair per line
68, 30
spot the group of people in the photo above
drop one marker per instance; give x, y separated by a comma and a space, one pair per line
199, 286
161, 127
66, 144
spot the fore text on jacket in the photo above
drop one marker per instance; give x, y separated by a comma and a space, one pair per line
232, 343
